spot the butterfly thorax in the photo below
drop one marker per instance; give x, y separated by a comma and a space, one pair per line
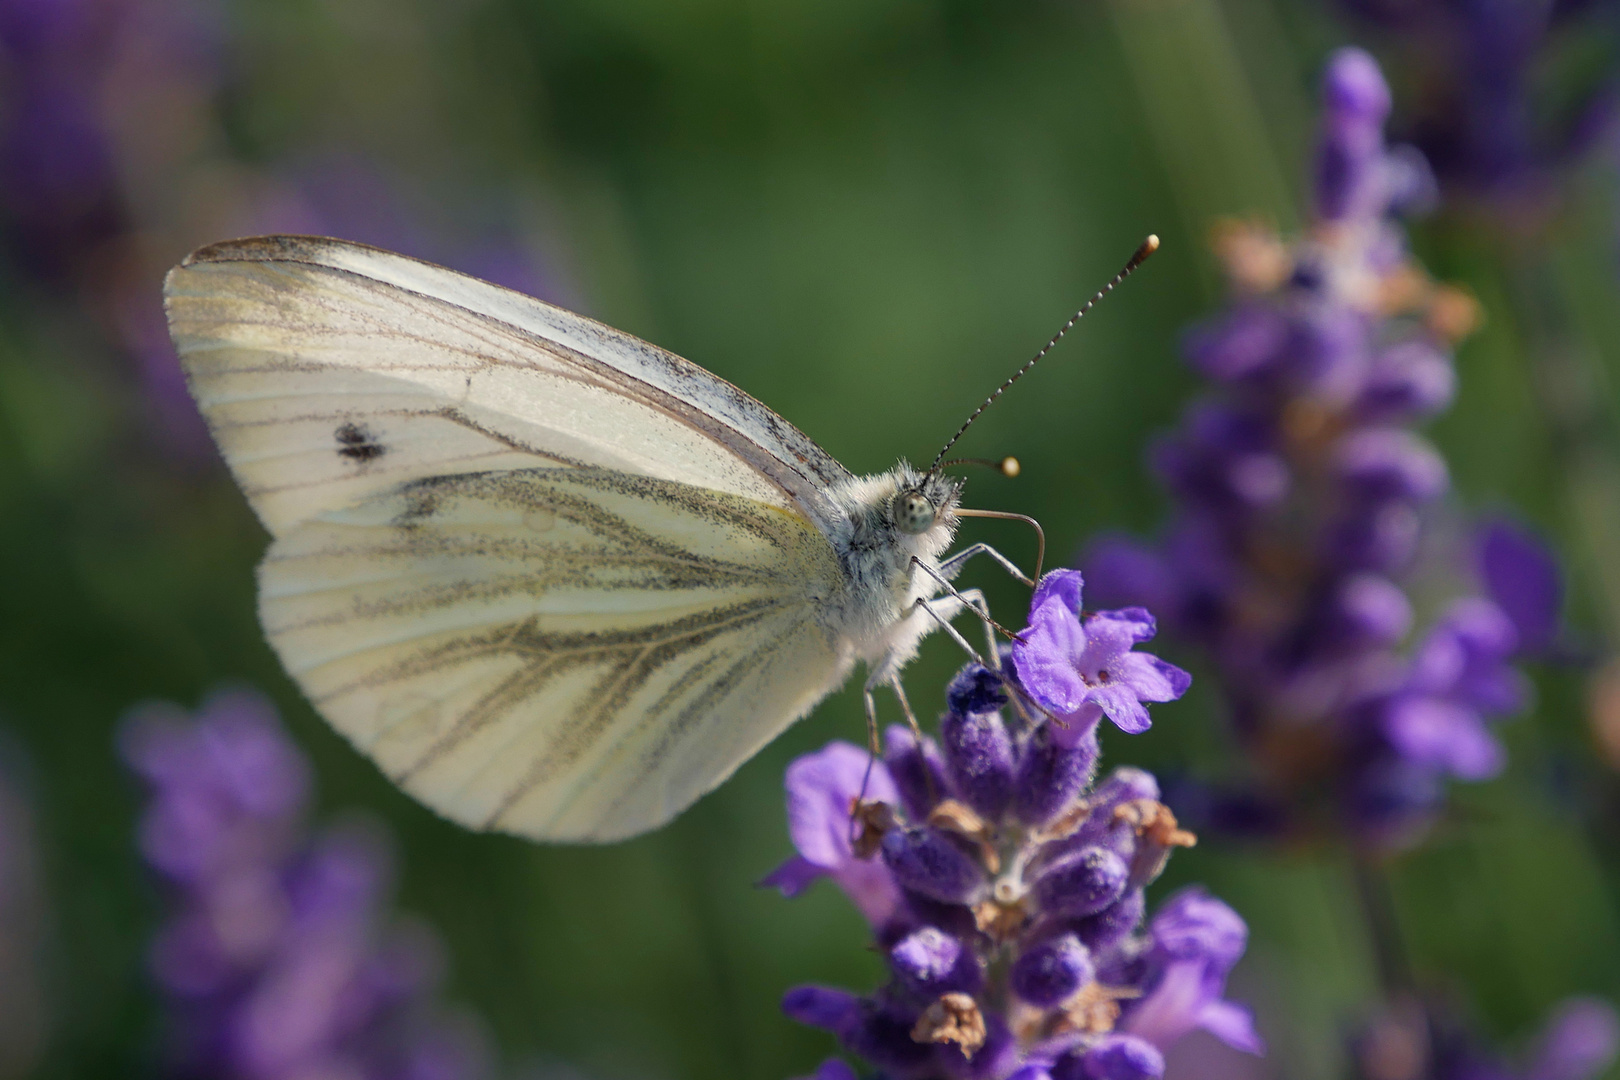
880, 582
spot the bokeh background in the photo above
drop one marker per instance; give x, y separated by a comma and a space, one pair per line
866, 214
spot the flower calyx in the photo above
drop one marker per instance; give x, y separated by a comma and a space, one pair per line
1156, 828
960, 819
870, 820
952, 1018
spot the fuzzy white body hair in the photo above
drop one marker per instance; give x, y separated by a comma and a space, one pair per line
873, 617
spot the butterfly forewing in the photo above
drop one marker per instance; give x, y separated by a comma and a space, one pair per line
330, 371
565, 653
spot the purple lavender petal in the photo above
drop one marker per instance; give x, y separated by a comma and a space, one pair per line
1445, 736
1246, 342
1521, 573
1119, 704
1579, 1042
1150, 678
1373, 609
820, 790
1113, 924
1233, 1024
931, 962
919, 773
1123, 1057
1046, 657
1062, 587
821, 1006
1192, 924
793, 876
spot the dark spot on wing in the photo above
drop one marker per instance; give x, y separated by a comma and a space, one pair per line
357, 443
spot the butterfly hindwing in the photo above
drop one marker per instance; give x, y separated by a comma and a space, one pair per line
572, 653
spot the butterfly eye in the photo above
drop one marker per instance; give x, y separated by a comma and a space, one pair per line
912, 512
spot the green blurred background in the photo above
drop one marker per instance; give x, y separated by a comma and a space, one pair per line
866, 213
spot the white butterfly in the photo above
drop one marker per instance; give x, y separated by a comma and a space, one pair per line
552, 579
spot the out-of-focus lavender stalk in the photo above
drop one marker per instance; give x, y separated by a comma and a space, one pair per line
1301, 491
1004, 887
23, 931
278, 959
111, 169
1415, 1039
1477, 106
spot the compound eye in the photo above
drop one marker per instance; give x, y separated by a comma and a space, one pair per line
912, 513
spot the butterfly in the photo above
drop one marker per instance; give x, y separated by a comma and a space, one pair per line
553, 580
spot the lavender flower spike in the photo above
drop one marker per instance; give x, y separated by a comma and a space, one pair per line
1578, 1042
1009, 889
1302, 496
276, 960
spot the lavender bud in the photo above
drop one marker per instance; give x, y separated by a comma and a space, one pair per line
1372, 608
820, 1006
932, 962
883, 1037
1382, 538
926, 862
1409, 380
1390, 463
1114, 923
1246, 342
919, 776
1350, 178
979, 758
1050, 776
976, 689
1084, 883
1123, 1057
1125, 784
1051, 971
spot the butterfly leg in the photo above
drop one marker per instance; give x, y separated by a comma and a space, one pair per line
951, 566
945, 584
981, 607
882, 676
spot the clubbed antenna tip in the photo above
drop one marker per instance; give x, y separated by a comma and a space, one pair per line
1146, 248
1149, 246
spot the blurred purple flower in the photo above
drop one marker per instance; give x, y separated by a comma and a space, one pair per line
278, 959
1521, 574
1427, 1040
1477, 109
1005, 888
110, 101
1301, 490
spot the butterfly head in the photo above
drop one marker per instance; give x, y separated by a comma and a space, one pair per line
923, 502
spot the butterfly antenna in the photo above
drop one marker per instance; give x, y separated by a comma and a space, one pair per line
1148, 247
